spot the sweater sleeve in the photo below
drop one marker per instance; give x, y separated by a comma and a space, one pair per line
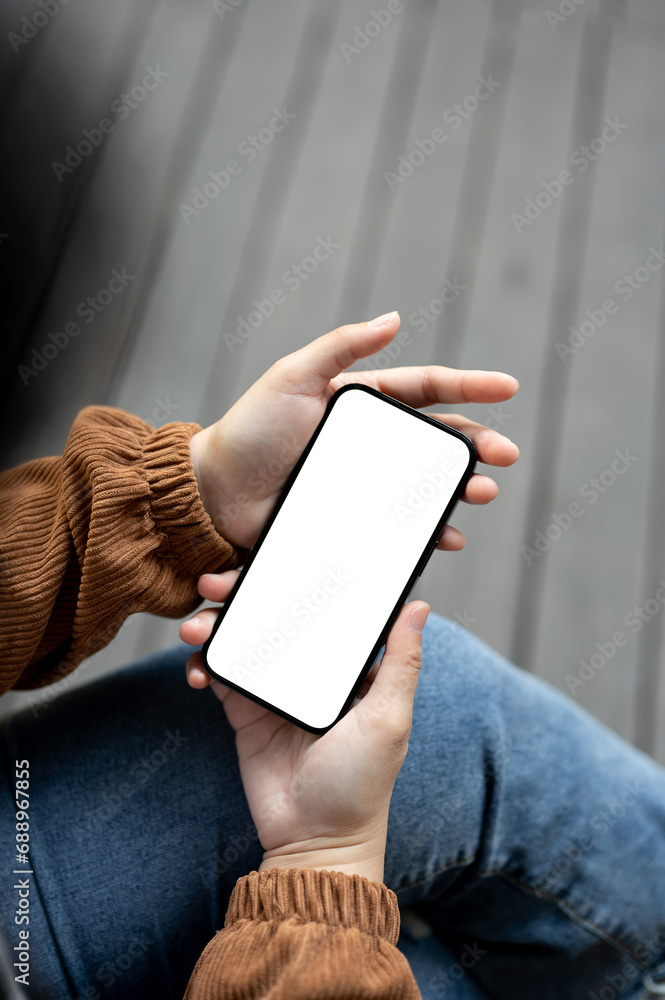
301, 932
113, 527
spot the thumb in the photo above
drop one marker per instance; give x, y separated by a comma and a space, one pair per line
397, 678
310, 369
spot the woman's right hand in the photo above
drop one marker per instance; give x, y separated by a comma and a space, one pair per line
321, 801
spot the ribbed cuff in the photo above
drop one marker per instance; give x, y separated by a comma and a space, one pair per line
312, 895
176, 505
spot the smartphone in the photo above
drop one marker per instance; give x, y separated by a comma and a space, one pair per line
348, 537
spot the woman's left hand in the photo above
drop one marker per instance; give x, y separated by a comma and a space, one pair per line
243, 460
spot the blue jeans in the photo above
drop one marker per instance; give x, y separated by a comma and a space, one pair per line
526, 841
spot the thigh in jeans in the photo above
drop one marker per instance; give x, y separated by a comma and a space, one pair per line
139, 830
531, 835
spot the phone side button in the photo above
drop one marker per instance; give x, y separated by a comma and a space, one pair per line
427, 559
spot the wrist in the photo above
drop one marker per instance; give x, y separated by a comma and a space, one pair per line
365, 859
196, 448
224, 511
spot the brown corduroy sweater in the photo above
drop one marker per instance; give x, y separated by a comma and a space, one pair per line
116, 526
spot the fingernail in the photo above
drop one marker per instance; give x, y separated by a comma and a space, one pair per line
418, 618
193, 621
382, 320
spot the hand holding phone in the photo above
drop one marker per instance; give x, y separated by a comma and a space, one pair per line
351, 532
243, 460
241, 466
323, 801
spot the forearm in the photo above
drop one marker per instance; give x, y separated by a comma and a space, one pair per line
113, 527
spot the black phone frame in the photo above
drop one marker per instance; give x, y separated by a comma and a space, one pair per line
418, 570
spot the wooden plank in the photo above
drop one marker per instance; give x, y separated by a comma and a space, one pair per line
184, 311
325, 198
649, 733
341, 131
648, 15
279, 163
338, 167
595, 575
421, 210
575, 207
378, 201
348, 139
507, 322
342, 142
470, 219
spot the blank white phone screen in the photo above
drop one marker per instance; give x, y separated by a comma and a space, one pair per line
337, 557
